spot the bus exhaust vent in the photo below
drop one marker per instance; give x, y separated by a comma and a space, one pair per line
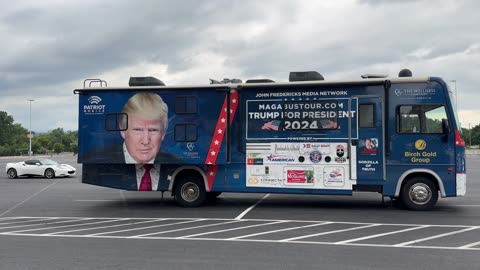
259, 81
298, 76
145, 81
405, 73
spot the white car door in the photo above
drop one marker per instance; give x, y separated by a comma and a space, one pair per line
21, 168
32, 167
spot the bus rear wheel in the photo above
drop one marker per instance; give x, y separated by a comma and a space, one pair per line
190, 192
419, 193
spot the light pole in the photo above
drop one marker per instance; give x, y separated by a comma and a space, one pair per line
30, 135
456, 100
470, 134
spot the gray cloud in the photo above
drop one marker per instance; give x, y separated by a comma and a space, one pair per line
52, 46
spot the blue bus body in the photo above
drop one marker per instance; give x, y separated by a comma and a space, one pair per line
396, 136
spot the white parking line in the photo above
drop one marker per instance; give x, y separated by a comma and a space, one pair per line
103, 227
231, 229
56, 227
329, 232
380, 234
55, 232
251, 207
148, 227
435, 237
374, 245
256, 241
470, 245
24, 221
41, 224
183, 229
280, 230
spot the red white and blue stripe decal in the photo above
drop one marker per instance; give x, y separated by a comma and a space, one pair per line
218, 136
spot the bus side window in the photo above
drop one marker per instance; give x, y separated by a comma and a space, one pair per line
433, 119
186, 105
366, 115
425, 119
186, 132
116, 122
408, 119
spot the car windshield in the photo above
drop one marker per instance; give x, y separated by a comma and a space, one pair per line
47, 161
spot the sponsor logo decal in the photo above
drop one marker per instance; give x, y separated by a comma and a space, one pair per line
295, 176
280, 158
252, 181
340, 151
335, 174
315, 156
94, 99
420, 145
271, 181
255, 161
414, 92
95, 106
299, 176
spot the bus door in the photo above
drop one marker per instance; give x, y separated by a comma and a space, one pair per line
367, 142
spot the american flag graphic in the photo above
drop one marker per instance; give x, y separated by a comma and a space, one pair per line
272, 125
218, 136
329, 124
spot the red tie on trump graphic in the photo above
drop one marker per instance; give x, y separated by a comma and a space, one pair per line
146, 184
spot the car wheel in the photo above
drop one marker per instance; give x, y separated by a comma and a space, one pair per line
190, 192
49, 173
12, 173
419, 193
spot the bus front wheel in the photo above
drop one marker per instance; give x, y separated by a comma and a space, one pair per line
190, 192
419, 193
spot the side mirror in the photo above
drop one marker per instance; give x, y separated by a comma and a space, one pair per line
38, 164
445, 128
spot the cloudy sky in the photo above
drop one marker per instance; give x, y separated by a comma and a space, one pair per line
49, 47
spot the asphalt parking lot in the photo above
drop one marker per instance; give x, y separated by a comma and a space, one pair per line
94, 227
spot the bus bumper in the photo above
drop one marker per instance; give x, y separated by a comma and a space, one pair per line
461, 184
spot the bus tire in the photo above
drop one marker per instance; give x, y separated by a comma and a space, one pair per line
419, 193
190, 192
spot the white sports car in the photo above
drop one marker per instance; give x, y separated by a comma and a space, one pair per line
39, 167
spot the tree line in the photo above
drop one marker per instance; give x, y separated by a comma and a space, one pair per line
471, 136
14, 139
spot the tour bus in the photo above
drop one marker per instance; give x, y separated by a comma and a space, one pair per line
398, 136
